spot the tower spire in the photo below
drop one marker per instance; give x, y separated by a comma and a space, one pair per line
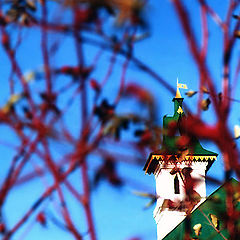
178, 94
180, 85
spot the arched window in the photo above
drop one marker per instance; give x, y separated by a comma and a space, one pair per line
176, 185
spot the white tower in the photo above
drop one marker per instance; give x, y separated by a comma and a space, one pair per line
179, 168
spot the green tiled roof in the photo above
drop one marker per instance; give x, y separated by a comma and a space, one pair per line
215, 205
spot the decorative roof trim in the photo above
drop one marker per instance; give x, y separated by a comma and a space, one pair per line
186, 158
155, 159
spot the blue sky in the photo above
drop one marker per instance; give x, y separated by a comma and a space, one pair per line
118, 213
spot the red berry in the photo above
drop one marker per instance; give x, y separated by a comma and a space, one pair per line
94, 84
66, 70
41, 218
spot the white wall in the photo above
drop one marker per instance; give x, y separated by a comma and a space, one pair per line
166, 219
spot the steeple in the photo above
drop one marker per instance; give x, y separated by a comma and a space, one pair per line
178, 98
179, 85
178, 94
173, 165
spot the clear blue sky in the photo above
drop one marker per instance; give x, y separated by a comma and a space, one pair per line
118, 213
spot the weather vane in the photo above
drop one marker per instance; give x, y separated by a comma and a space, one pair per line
180, 85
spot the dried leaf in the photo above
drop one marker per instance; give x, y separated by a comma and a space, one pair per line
214, 220
236, 196
153, 197
29, 76
127, 10
184, 153
237, 34
236, 131
144, 194
190, 93
115, 126
14, 98
12, 15
204, 89
205, 104
150, 203
124, 10
31, 4
197, 228
195, 197
104, 111
24, 19
167, 203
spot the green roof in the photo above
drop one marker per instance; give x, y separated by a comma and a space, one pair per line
170, 143
212, 215
173, 143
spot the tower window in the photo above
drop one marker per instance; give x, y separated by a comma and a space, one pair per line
176, 185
